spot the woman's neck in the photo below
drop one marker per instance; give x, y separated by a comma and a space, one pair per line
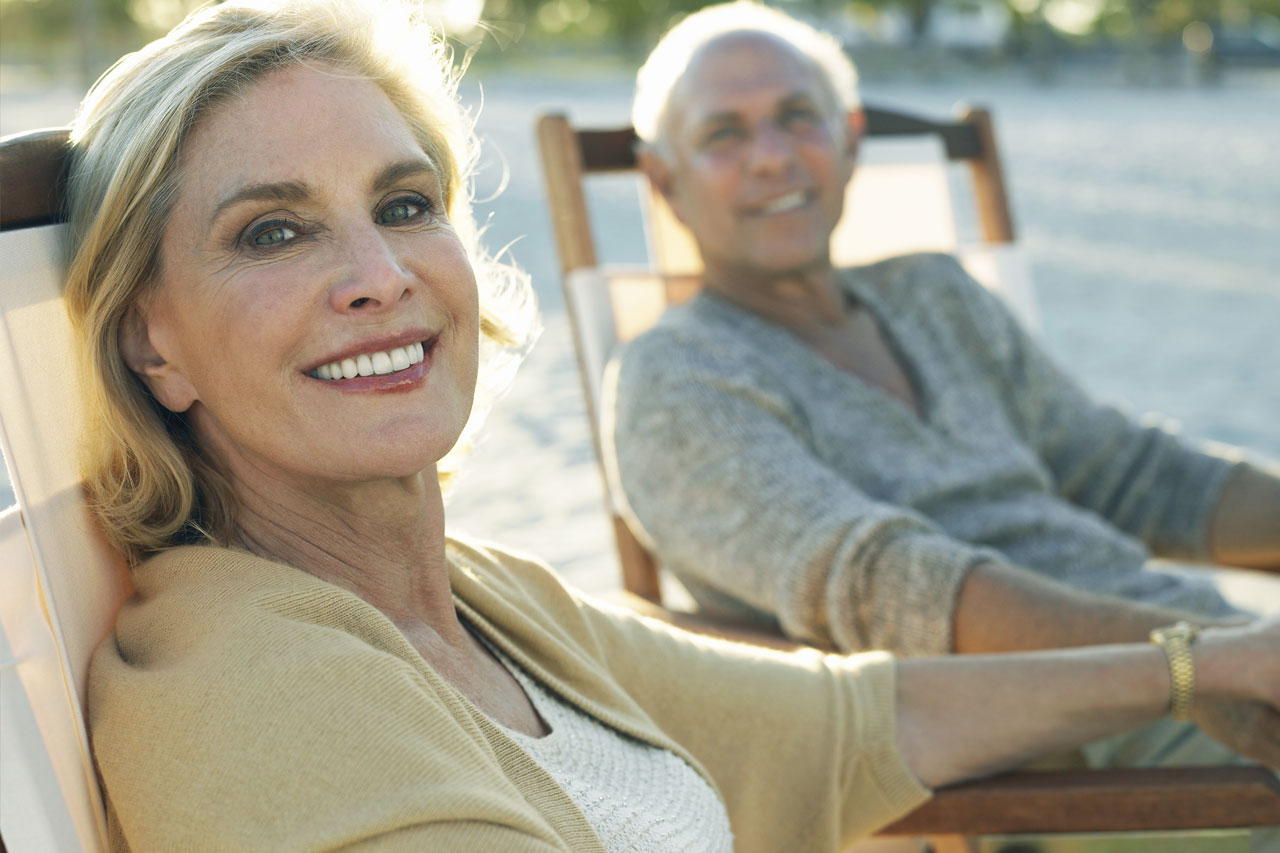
383, 541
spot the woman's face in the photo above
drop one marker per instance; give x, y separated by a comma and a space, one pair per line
309, 247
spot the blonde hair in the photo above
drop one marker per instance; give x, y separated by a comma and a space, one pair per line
147, 478
670, 59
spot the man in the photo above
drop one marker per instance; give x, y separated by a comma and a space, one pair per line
880, 457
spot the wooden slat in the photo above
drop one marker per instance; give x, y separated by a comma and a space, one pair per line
639, 570
562, 171
989, 191
32, 168
960, 138
612, 150
1115, 800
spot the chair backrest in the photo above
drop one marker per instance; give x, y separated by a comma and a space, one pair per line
62, 584
900, 200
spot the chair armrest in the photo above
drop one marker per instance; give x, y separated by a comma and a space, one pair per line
1117, 800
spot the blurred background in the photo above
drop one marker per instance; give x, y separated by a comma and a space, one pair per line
1140, 140
1147, 40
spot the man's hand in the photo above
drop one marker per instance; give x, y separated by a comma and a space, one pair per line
1250, 728
1238, 668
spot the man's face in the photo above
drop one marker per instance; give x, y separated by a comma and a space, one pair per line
759, 154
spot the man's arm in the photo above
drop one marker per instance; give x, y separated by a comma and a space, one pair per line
1245, 526
1001, 608
1136, 473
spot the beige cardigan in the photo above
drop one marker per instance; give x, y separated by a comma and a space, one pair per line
243, 704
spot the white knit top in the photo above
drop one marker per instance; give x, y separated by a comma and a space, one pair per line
637, 797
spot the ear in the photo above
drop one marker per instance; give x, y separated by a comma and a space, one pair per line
855, 125
658, 171
166, 383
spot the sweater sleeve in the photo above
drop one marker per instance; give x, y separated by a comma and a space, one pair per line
1136, 473
717, 472
803, 746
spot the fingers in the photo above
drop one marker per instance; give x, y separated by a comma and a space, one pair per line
1251, 729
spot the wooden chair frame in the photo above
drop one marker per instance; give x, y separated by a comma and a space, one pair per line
1041, 802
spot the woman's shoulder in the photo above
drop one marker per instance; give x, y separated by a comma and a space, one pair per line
241, 682
514, 589
213, 636
205, 601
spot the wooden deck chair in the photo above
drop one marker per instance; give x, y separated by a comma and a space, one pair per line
60, 583
900, 200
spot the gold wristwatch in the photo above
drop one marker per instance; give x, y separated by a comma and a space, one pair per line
1176, 640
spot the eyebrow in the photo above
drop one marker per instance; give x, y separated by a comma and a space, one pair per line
298, 191
292, 191
397, 172
733, 116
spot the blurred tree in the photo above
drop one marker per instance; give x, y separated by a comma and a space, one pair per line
90, 33
918, 13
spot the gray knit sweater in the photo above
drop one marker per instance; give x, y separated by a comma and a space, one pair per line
774, 484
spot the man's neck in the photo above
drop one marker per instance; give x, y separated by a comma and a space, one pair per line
803, 301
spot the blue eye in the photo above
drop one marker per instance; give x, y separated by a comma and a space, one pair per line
273, 235
402, 210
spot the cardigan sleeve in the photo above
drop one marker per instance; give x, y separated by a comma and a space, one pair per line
802, 745
1136, 473
717, 473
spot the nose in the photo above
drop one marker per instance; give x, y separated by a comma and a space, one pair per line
372, 277
771, 148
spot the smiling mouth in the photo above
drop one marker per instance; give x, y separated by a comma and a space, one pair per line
784, 204
380, 363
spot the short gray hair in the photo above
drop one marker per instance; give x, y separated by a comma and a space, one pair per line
670, 58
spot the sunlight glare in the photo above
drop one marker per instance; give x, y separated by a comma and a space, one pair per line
458, 17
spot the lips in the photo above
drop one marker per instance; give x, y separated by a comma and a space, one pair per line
376, 363
782, 204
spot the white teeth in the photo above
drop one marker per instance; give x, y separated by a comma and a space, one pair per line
790, 201
373, 363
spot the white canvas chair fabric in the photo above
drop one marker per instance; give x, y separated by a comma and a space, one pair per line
62, 584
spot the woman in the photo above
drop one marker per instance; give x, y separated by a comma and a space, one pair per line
274, 274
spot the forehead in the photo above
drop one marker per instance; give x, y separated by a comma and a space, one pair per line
744, 73
294, 123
